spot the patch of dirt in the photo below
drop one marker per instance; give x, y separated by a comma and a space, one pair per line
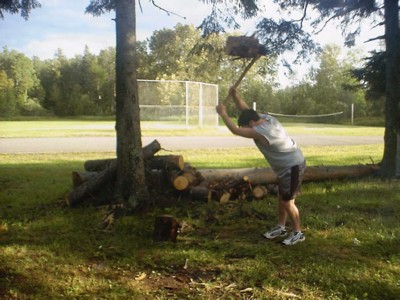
178, 280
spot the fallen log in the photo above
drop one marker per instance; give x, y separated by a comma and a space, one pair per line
313, 173
319, 173
98, 165
166, 162
79, 178
91, 186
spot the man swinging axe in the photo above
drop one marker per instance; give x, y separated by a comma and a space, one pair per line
280, 151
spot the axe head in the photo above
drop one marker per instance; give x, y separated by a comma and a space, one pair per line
244, 47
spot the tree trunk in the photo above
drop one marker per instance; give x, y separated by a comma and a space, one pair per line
130, 188
391, 155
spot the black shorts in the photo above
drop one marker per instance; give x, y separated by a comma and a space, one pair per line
289, 181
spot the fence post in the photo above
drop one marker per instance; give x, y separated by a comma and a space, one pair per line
187, 103
201, 105
352, 113
217, 102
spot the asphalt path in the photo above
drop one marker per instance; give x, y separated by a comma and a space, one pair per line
108, 144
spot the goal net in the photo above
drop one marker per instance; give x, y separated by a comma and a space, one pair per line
332, 118
177, 104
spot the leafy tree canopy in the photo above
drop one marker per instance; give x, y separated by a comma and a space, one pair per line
18, 6
289, 34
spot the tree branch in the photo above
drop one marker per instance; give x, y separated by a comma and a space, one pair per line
381, 37
167, 11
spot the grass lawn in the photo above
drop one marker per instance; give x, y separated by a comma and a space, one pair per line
66, 128
51, 251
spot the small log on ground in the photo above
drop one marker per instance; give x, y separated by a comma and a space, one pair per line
98, 165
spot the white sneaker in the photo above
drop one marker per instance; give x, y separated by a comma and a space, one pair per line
275, 232
294, 238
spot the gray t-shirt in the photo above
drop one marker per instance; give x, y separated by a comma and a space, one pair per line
282, 152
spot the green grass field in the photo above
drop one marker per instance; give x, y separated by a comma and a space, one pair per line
65, 128
51, 251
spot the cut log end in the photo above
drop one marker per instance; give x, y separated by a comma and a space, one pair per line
259, 191
180, 183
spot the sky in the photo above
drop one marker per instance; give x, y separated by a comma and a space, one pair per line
63, 24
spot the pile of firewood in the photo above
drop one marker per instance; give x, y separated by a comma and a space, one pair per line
167, 174
170, 175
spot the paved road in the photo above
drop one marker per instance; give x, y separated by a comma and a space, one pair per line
107, 144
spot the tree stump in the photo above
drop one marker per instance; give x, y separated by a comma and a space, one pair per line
165, 229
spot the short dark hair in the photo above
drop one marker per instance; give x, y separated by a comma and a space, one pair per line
246, 116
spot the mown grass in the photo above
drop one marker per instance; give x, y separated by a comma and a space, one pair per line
69, 128
51, 251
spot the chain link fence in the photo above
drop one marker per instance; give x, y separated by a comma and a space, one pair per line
177, 104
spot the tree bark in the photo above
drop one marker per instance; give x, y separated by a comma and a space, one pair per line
391, 155
130, 186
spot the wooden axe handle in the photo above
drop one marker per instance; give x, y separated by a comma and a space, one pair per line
246, 69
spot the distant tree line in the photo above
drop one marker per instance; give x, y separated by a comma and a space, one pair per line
85, 84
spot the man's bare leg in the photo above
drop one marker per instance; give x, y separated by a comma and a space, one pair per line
282, 215
291, 210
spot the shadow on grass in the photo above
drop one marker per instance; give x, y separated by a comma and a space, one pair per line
49, 250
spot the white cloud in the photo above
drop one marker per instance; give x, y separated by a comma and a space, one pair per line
70, 44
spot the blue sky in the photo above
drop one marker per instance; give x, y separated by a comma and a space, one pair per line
63, 24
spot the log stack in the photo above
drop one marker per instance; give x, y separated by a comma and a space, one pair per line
170, 175
166, 174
